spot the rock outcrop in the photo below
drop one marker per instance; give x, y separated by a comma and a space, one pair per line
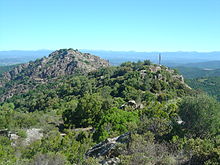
106, 147
132, 104
156, 70
110, 161
31, 135
59, 63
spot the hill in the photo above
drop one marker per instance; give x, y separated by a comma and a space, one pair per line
201, 69
189, 72
130, 81
210, 85
203, 65
135, 113
59, 63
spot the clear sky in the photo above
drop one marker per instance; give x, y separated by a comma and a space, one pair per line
139, 25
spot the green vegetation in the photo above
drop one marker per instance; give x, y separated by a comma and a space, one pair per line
141, 98
191, 73
201, 116
210, 85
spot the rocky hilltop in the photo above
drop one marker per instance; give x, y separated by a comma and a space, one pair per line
59, 63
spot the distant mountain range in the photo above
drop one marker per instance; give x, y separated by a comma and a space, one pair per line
171, 59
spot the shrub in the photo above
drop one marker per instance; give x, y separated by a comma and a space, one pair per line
201, 115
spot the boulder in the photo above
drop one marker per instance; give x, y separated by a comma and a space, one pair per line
106, 147
110, 161
31, 136
132, 104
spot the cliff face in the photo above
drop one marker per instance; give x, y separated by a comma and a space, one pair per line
59, 63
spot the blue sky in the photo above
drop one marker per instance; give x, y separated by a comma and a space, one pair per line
139, 25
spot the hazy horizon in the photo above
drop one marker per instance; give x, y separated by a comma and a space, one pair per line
154, 51
116, 57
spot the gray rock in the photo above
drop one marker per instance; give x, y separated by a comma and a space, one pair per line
14, 136
106, 147
110, 161
31, 136
154, 68
132, 104
179, 77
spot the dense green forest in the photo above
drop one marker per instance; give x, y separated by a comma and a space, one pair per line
203, 80
168, 122
210, 85
214, 64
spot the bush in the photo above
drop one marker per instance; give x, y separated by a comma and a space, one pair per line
203, 151
49, 158
201, 115
114, 123
22, 133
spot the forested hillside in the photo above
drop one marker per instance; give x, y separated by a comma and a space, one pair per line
201, 79
192, 73
135, 113
210, 85
206, 64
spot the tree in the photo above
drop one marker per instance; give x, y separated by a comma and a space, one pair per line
201, 115
6, 116
114, 123
87, 112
